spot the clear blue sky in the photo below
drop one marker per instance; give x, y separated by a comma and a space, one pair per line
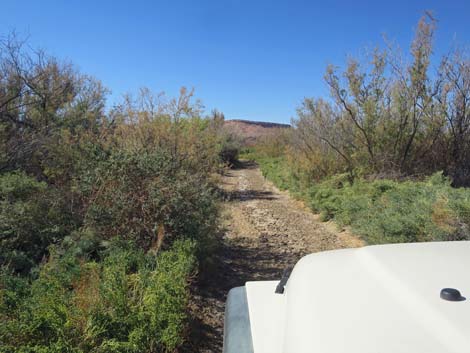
250, 59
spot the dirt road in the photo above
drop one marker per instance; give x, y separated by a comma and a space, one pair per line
265, 231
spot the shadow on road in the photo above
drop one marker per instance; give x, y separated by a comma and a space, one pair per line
238, 258
248, 195
244, 164
236, 262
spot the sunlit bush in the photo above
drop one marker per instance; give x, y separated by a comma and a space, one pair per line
381, 211
127, 302
136, 194
385, 211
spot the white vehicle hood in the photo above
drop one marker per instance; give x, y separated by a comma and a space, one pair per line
376, 299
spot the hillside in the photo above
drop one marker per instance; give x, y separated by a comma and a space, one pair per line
251, 131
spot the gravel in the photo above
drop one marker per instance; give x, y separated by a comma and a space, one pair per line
264, 231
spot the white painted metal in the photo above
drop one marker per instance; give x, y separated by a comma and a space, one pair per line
266, 316
377, 299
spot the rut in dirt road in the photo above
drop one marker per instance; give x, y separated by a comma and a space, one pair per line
265, 232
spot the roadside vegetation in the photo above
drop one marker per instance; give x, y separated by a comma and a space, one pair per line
387, 153
104, 214
107, 213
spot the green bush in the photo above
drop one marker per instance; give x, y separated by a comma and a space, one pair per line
73, 177
382, 211
230, 146
135, 193
31, 218
385, 211
276, 170
66, 284
128, 301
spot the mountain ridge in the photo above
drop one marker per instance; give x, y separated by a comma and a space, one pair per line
267, 124
251, 131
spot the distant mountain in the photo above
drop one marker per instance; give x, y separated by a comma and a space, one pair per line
251, 131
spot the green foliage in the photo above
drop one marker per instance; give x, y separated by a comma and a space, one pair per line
129, 301
383, 211
389, 115
275, 169
278, 170
67, 284
134, 193
230, 148
30, 220
386, 118
73, 179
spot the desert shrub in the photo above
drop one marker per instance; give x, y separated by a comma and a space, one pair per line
230, 148
380, 211
31, 218
127, 302
248, 153
275, 169
282, 173
389, 115
75, 177
80, 290
385, 211
137, 194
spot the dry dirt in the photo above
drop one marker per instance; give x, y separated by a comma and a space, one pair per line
265, 231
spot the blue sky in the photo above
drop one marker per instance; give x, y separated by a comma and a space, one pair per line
250, 59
